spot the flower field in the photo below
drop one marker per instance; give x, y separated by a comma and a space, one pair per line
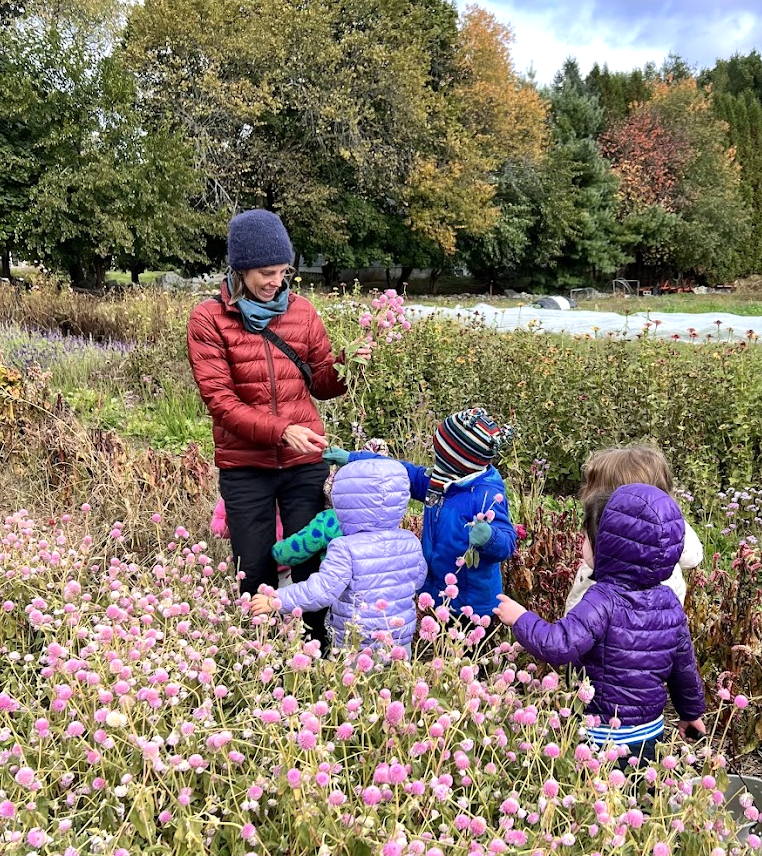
143, 710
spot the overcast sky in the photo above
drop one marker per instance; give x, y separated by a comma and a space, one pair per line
626, 33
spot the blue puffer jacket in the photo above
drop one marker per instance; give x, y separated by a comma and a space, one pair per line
445, 537
373, 561
628, 631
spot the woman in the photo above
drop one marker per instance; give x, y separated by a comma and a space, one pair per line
268, 436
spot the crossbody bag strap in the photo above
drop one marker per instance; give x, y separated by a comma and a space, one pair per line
304, 369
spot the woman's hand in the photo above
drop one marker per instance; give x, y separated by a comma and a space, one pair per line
364, 350
509, 610
303, 439
357, 351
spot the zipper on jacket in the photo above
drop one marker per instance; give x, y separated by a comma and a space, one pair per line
273, 399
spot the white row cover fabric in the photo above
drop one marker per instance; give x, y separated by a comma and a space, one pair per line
699, 327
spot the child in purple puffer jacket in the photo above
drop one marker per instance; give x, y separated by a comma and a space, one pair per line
370, 575
628, 632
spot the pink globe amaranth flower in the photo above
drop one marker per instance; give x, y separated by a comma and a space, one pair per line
345, 731
661, 848
478, 826
583, 752
36, 838
391, 848
364, 663
294, 777
724, 694
634, 818
156, 518
248, 832
550, 788
461, 822
25, 777
336, 798
289, 705
7, 809
616, 778
754, 841
669, 763
552, 750
451, 592
741, 701
550, 682
165, 816
395, 713
306, 740
450, 579
299, 662
372, 795
7, 703
425, 600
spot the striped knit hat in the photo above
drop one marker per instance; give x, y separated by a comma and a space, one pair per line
464, 443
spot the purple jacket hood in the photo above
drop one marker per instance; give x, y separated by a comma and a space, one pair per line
370, 495
640, 538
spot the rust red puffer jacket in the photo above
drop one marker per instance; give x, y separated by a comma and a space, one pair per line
252, 389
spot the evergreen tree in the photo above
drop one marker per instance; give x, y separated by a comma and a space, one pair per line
592, 244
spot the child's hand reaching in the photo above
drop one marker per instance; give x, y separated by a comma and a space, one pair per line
691, 730
509, 610
336, 455
479, 534
261, 604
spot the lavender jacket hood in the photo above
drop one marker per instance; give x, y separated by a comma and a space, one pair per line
370, 575
628, 632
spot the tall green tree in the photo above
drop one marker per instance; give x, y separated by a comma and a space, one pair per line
592, 247
105, 178
318, 110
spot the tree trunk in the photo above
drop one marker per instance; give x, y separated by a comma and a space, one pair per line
77, 275
136, 268
100, 266
6, 271
434, 278
329, 274
404, 277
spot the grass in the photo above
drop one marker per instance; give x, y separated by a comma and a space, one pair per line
148, 277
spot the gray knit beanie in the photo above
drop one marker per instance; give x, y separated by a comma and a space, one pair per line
258, 239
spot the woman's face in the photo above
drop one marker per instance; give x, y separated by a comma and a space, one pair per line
263, 283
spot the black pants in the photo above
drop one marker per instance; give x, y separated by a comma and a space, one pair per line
250, 495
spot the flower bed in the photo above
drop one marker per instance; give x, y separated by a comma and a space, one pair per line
144, 711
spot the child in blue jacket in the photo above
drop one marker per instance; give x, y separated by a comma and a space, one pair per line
461, 485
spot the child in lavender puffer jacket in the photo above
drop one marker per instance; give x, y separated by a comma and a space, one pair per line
371, 574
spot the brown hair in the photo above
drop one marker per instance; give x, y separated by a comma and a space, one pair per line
640, 463
595, 503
